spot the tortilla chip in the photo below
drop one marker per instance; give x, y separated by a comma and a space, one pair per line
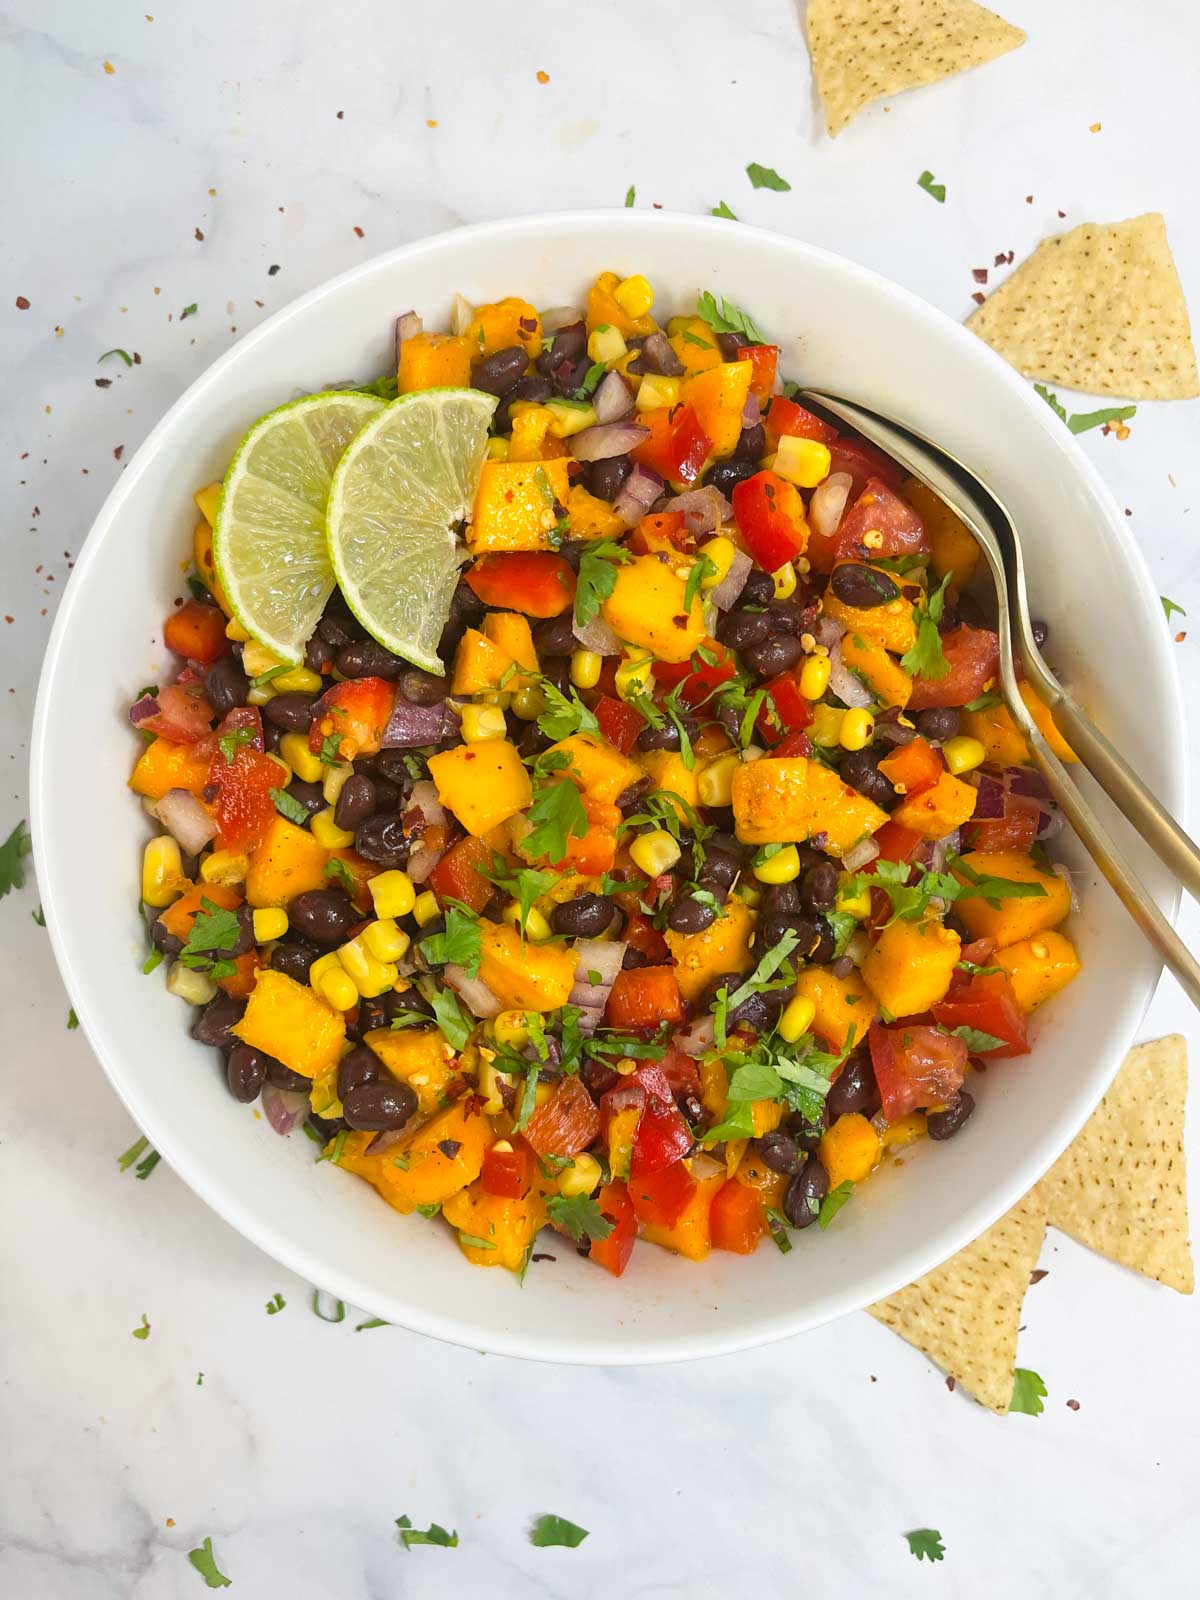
1100, 309
863, 50
964, 1314
1121, 1188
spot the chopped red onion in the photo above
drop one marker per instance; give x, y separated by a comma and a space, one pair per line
703, 510
408, 325
559, 317
638, 494
859, 855
284, 1108
461, 314
828, 503
421, 861
384, 1141
894, 733
1061, 870
699, 1037
607, 439
474, 993
424, 796
142, 710
732, 584
751, 412
1026, 781
989, 803
942, 848
186, 820
844, 684
828, 631
410, 725
604, 958
598, 636
613, 398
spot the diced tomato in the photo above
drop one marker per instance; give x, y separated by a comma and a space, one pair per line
696, 679
539, 585
915, 1066
770, 514
567, 1123
988, 1004
508, 1173
862, 461
792, 711
913, 767
663, 1135
659, 1198
644, 997
196, 631
878, 509
662, 530
1016, 830
358, 711
242, 804
738, 1218
619, 723
641, 933
784, 418
239, 983
677, 447
974, 657
457, 875
896, 842
183, 715
681, 1072
763, 359
794, 744
616, 1207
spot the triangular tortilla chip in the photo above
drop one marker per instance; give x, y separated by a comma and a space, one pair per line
1100, 309
864, 49
1121, 1188
964, 1314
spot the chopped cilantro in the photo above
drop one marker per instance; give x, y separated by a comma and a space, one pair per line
1028, 1392
124, 355
557, 814
766, 178
981, 702
288, 806
525, 885
371, 1322
937, 190
1085, 421
1170, 608
205, 1563
591, 380
188, 311
233, 741
72, 1019
701, 568
978, 972
475, 1242
562, 716
926, 1544
128, 1157
976, 1040
597, 579
144, 1331
339, 1308
269, 674
461, 943
721, 210
12, 853
433, 1534
213, 928
552, 1530
451, 1018
328, 753
430, 1211
1051, 400
833, 1203
926, 657
39, 916
337, 869
580, 1215
630, 196
275, 1304
729, 319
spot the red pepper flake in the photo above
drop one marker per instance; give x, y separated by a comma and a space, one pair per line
340, 115
1062, 213
950, 1384
199, 235
1028, 199
978, 298
260, 303
271, 271
118, 452
543, 77
359, 232
137, 360
1128, 512
979, 274
656, 205
37, 511
1038, 1274
22, 303
7, 618
1074, 1404
103, 383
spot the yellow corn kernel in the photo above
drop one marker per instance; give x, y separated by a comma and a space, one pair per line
826, 726
797, 1018
785, 581
634, 677
298, 680
490, 1083
782, 867
568, 417
257, 659
804, 462
323, 964
814, 677
634, 295
227, 867
426, 908
327, 833
497, 449
654, 392
536, 926
529, 704
337, 989
481, 723
585, 668
720, 552
370, 975
190, 984
715, 781
581, 1178
162, 872
606, 343
293, 747
260, 695
334, 781
392, 893
512, 1029
857, 730
655, 852
963, 754
853, 902
207, 500
235, 631
385, 940
270, 923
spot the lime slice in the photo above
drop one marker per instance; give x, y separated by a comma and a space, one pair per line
395, 503
269, 537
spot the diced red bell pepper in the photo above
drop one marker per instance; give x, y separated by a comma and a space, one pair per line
196, 631
896, 842
764, 360
662, 530
792, 712
681, 1072
663, 1135
913, 767
239, 983
1015, 830
508, 1173
770, 514
974, 658
794, 744
862, 461
567, 1123
660, 1197
183, 715
619, 723
738, 1218
878, 509
242, 804
697, 678
457, 875
915, 1066
644, 997
989, 1004
616, 1207
242, 719
641, 933
677, 447
358, 711
536, 584
785, 418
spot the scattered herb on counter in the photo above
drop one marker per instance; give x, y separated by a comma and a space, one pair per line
12, 863
275, 1303
551, 1530
1169, 610
766, 178
937, 190
1028, 1392
926, 1544
205, 1563
433, 1534
722, 210
144, 1331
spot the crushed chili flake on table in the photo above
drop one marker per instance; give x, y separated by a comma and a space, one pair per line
22, 303
980, 274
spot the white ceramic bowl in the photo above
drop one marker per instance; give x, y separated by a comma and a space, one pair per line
841, 327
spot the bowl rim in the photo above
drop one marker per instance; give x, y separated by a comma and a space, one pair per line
698, 1342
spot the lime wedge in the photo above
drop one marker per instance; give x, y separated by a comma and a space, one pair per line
395, 503
269, 538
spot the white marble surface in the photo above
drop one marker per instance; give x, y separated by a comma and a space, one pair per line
792, 1470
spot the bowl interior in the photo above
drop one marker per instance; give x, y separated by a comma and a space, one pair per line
841, 327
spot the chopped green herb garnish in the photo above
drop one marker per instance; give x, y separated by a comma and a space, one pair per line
39, 916
328, 753
338, 1313
525, 884
1085, 421
562, 716
981, 702
275, 1304
371, 1322
123, 354
766, 178
475, 1242
72, 1019
1051, 400
700, 569
128, 1157
926, 657
460, 944
976, 1040
630, 196
450, 1017
12, 859
1170, 608
337, 869
926, 1544
153, 960
721, 210
551, 1530
729, 319
269, 674
1028, 1393
144, 1331
188, 311
597, 579
557, 815
433, 1534
233, 741
288, 806
591, 380
937, 190
833, 1203
580, 1215
205, 1563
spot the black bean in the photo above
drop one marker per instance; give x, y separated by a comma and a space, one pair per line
163, 939
666, 737
246, 1072
358, 1066
531, 387
741, 630
807, 1134
554, 636
282, 1077
862, 587
225, 684
585, 917
729, 345
688, 915
366, 659
758, 589
569, 343
945, 1124
271, 736
860, 769
327, 1127
780, 1152
391, 764
573, 551
356, 803
604, 478
339, 625
464, 603
803, 1196
497, 373
387, 794
721, 864
940, 722
791, 616
854, 1088
293, 713
532, 741
808, 931
779, 653
322, 916
726, 475
318, 653
819, 887
826, 944
751, 445
629, 799
421, 688
310, 795
382, 841
293, 958
374, 1107
213, 1024
781, 899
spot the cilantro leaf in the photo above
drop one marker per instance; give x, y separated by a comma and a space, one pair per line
1082, 422
144, 1331
761, 978
337, 869
433, 1534
976, 1040
275, 1305
126, 1160
833, 1203
12, 853
701, 568
124, 355
1028, 1392
557, 814
729, 319
982, 701
525, 885
580, 1215
721, 210
461, 943
337, 1313
327, 755
205, 1563
591, 380
1051, 400
562, 716
1170, 607
288, 806
926, 1544
843, 927
766, 178
596, 580
213, 928
188, 311
230, 743
926, 657
451, 1018
630, 195
977, 971
937, 190
552, 1530
738, 1123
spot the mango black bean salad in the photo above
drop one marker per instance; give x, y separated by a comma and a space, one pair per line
700, 880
